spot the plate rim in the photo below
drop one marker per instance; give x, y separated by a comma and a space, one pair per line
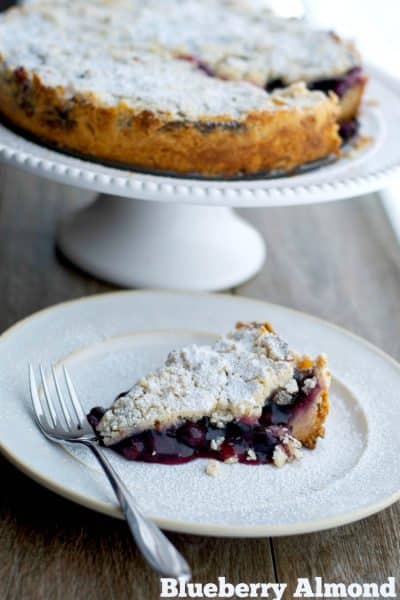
208, 529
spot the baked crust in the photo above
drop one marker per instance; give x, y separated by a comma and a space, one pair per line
349, 104
311, 426
263, 141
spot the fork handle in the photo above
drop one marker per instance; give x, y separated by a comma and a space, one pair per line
155, 547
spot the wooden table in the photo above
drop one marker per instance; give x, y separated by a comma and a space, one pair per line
338, 261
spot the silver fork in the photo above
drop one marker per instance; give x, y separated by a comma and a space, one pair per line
64, 422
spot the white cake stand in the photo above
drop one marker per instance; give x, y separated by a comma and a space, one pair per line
154, 231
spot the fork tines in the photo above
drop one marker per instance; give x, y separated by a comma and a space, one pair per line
55, 402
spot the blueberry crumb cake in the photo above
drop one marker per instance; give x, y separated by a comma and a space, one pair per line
217, 88
246, 398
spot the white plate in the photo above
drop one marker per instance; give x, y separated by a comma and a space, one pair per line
108, 341
368, 169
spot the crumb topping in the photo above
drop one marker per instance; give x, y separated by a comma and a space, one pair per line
309, 384
212, 468
287, 451
216, 444
136, 53
251, 455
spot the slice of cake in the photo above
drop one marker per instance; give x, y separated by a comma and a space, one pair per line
247, 398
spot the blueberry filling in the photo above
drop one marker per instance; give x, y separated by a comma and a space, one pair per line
348, 130
339, 85
250, 442
275, 84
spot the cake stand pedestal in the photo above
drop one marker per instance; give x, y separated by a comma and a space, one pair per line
134, 243
163, 231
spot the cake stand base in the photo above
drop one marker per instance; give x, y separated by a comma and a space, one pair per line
135, 243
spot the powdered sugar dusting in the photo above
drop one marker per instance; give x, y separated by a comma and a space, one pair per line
138, 54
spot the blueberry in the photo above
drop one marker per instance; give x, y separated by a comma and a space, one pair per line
191, 434
237, 431
274, 84
227, 451
264, 442
95, 416
349, 129
134, 448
